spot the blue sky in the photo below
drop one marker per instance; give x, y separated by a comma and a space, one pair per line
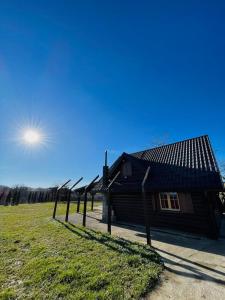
116, 75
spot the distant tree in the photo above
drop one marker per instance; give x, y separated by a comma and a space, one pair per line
29, 197
2, 196
14, 196
8, 198
18, 197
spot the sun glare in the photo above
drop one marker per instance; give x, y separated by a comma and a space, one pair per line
32, 136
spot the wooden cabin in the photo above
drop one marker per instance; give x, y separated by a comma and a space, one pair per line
182, 187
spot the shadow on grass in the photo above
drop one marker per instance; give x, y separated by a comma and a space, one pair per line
115, 243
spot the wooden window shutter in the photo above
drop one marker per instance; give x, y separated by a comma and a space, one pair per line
186, 204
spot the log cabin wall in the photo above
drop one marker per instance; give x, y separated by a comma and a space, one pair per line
192, 217
217, 208
188, 167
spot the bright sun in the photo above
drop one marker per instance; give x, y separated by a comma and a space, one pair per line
32, 136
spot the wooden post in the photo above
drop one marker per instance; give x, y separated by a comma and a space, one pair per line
85, 208
108, 195
109, 212
57, 197
147, 223
105, 177
85, 199
56, 202
68, 196
147, 220
92, 201
106, 158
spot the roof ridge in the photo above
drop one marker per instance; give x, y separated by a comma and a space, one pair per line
190, 139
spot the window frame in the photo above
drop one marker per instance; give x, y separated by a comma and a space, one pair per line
169, 202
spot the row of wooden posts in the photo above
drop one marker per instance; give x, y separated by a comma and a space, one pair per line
68, 199
108, 199
86, 191
107, 186
144, 198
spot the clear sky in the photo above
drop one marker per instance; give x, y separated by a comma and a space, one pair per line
116, 75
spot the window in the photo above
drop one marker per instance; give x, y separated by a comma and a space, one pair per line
169, 201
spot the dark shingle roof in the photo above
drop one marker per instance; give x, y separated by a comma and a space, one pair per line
194, 153
185, 165
189, 164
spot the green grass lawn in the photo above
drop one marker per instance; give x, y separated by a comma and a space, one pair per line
41, 258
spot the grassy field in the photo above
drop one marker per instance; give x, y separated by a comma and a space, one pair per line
43, 259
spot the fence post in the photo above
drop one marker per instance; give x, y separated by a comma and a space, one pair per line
147, 221
56, 202
85, 199
109, 218
68, 196
109, 212
85, 208
57, 197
